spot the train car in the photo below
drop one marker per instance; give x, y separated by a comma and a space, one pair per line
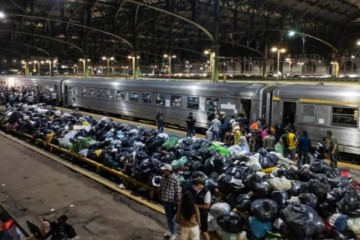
175, 99
319, 108
46, 85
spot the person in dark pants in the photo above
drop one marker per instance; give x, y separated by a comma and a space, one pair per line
190, 124
304, 149
203, 201
170, 196
333, 149
160, 121
279, 130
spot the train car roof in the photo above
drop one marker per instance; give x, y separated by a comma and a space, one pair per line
177, 87
319, 92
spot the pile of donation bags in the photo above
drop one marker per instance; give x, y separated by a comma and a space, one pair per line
254, 197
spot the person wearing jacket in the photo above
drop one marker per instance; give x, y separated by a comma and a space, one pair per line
203, 201
237, 134
160, 121
188, 217
170, 195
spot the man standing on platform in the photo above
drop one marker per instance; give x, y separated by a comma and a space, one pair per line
160, 121
190, 124
170, 196
333, 149
202, 200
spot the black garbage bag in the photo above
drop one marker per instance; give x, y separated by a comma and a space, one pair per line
280, 197
274, 158
318, 188
199, 175
302, 221
243, 202
304, 173
262, 190
195, 165
298, 187
326, 209
335, 195
321, 177
332, 173
209, 166
231, 222
239, 172
262, 151
309, 199
350, 204
251, 179
168, 157
266, 162
340, 182
319, 166
228, 184
218, 163
211, 184
264, 210
284, 171
155, 143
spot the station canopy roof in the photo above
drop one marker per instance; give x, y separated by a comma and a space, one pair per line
72, 29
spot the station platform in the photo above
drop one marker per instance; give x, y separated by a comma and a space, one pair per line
33, 187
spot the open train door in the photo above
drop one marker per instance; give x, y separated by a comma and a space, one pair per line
289, 113
66, 92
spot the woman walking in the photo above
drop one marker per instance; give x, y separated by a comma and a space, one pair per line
189, 218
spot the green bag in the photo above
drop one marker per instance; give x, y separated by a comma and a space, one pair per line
176, 164
170, 143
220, 149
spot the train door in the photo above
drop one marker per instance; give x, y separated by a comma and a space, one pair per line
268, 108
66, 90
289, 113
245, 108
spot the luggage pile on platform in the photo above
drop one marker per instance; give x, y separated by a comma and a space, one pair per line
254, 197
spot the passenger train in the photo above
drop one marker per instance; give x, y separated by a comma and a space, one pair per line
315, 108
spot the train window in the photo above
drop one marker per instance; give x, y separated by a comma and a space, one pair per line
121, 95
176, 101
83, 92
100, 93
193, 103
134, 96
308, 113
212, 104
92, 92
75, 92
110, 93
146, 97
160, 99
345, 116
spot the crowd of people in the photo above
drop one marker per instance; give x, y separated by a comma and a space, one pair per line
27, 95
280, 138
190, 209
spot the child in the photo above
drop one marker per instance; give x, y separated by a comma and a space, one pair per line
189, 218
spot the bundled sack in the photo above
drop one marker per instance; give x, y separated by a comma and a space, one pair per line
259, 229
309, 199
243, 202
338, 221
298, 187
265, 210
267, 161
254, 164
354, 225
280, 184
176, 164
350, 204
219, 209
220, 149
170, 143
231, 222
318, 188
229, 184
302, 221
262, 190
280, 198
